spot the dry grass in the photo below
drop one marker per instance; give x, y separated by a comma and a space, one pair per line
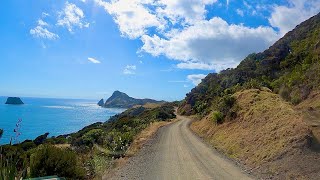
144, 135
149, 105
266, 130
310, 109
63, 146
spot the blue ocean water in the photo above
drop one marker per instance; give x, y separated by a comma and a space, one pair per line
55, 116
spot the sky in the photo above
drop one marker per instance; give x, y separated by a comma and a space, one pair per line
158, 49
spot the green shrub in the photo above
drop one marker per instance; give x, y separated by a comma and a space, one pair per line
49, 160
28, 144
12, 163
93, 136
226, 103
285, 93
296, 99
217, 117
40, 139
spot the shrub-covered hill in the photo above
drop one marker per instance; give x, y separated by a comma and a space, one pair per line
122, 100
290, 67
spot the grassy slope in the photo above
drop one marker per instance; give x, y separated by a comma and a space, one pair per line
268, 136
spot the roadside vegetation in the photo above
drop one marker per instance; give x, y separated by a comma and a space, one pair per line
86, 154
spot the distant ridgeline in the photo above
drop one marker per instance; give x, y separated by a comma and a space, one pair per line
290, 67
14, 101
122, 100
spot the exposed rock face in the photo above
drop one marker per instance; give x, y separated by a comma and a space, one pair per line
101, 103
122, 100
14, 101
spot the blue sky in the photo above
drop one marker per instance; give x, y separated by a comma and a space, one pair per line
147, 48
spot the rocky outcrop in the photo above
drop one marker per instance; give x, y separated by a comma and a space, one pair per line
14, 101
101, 103
122, 100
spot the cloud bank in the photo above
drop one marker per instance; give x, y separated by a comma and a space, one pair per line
180, 29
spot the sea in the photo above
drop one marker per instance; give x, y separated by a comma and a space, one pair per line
55, 116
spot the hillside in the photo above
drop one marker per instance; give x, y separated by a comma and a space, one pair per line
265, 113
122, 100
268, 136
290, 67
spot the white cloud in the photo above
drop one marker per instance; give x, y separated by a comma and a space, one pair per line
196, 78
72, 16
44, 14
240, 12
93, 60
286, 18
188, 12
42, 23
132, 16
182, 31
210, 44
129, 70
40, 31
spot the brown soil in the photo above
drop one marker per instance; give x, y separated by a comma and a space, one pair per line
269, 136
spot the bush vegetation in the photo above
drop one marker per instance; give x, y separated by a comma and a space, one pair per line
47, 160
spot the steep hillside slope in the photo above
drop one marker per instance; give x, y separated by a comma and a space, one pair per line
267, 135
266, 112
122, 100
290, 67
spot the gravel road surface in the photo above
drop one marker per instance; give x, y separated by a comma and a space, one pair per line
176, 153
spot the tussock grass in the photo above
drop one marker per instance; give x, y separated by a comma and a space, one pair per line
266, 129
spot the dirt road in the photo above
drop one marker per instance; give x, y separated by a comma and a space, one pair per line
176, 153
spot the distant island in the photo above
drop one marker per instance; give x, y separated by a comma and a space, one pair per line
101, 103
122, 100
14, 101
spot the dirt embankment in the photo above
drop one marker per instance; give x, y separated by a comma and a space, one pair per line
269, 136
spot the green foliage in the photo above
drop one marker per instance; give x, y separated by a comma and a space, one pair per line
217, 117
48, 160
117, 134
226, 103
12, 163
94, 136
1, 133
290, 67
41, 139
27, 145
98, 164
8, 170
